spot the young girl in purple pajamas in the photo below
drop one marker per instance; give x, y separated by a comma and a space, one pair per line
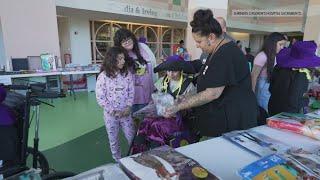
115, 93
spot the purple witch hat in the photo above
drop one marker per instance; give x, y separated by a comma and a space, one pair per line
175, 63
300, 55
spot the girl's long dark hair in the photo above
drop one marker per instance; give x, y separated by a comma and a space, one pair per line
123, 34
109, 64
270, 49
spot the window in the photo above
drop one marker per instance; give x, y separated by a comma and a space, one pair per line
161, 39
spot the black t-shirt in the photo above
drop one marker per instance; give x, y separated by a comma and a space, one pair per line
236, 108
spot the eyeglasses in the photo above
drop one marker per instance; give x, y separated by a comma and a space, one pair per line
126, 41
119, 58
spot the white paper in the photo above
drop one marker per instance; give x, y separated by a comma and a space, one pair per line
6, 80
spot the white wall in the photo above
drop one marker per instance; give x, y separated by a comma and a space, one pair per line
29, 27
256, 43
219, 8
80, 40
159, 9
312, 26
2, 50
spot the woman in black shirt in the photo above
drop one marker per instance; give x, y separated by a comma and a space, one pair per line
225, 100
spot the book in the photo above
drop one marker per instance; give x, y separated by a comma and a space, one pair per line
297, 123
309, 160
314, 114
256, 143
274, 167
48, 62
163, 163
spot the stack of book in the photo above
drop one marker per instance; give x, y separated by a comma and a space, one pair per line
256, 143
278, 160
308, 125
276, 167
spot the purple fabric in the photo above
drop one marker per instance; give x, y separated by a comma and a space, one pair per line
174, 58
300, 55
160, 129
142, 40
143, 87
3, 94
7, 116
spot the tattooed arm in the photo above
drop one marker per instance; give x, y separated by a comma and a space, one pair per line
198, 99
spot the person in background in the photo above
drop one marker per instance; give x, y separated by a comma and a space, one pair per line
223, 25
263, 65
224, 100
115, 94
287, 40
142, 61
238, 43
294, 40
181, 44
182, 51
249, 57
291, 76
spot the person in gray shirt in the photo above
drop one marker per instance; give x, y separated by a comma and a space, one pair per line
223, 25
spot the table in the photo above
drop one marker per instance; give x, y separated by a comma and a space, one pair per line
222, 157
7, 79
108, 171
53, 73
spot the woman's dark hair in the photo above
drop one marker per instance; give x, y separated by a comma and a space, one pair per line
110, 61
270, 49
204, 23
123, 34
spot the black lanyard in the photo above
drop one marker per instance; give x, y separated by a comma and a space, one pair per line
205, 65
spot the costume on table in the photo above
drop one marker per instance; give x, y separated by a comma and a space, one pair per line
116, 94
236, 108
290, 78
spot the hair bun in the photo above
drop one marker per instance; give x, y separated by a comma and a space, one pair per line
203, 16
204, 23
